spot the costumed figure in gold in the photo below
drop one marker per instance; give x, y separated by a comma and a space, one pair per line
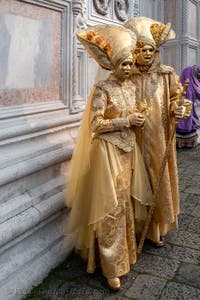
108, 185
160, 88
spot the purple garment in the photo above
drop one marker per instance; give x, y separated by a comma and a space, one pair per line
193, 93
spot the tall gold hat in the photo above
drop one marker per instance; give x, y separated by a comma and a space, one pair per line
149, 31
107, 44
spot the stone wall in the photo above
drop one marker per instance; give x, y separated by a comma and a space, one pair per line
184, 50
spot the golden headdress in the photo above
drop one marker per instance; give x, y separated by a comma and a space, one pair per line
107, 44
149, 31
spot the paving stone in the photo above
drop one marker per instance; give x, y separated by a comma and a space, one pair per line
195, 189
195, 225
184, 254
185, 182
127, 280
99, 281
34, 298
196, 178
183, 197
192, 168
159, 266
75, 290
162, 251
180, 169
189, 274
46, 289
191, 200
196, 211
184, 221
175, 291
115, 296
146, 287
184, 239
181, 188
187, 206
53, 285
73, 268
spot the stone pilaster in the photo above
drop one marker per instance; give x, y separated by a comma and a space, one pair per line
185, 18
79, 22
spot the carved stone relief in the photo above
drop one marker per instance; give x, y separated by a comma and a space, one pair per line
136, 10
121, 9
101, 6
80, 19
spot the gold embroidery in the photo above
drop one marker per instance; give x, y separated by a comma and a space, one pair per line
117, 244
143, 68
156, 31
160, 88
97, 40
116, 232
140, 44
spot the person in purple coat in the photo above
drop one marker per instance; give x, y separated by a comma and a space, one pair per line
186, 134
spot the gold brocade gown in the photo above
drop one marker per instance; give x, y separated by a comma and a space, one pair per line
115, 183
160, 88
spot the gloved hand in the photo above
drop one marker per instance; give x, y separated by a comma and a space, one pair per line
136, 119
179, 112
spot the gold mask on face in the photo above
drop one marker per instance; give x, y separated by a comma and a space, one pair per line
123, 69
146, 55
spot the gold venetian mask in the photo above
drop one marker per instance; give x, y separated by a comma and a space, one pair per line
146, 55
123, 69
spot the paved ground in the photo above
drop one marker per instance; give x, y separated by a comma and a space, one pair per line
168, 273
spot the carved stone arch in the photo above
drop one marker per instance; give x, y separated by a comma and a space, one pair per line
121, 9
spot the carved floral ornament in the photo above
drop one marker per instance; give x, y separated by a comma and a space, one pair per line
121, 8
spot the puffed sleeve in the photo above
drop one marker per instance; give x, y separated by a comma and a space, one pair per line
100, 124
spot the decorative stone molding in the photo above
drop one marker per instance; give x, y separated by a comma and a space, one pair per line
136, 8
36, 142
64, 7
101, 6
178, 60
52, 4
184, 52
79, 12
32, 266
79, 22
121, 9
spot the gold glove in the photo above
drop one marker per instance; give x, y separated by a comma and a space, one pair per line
188, 105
